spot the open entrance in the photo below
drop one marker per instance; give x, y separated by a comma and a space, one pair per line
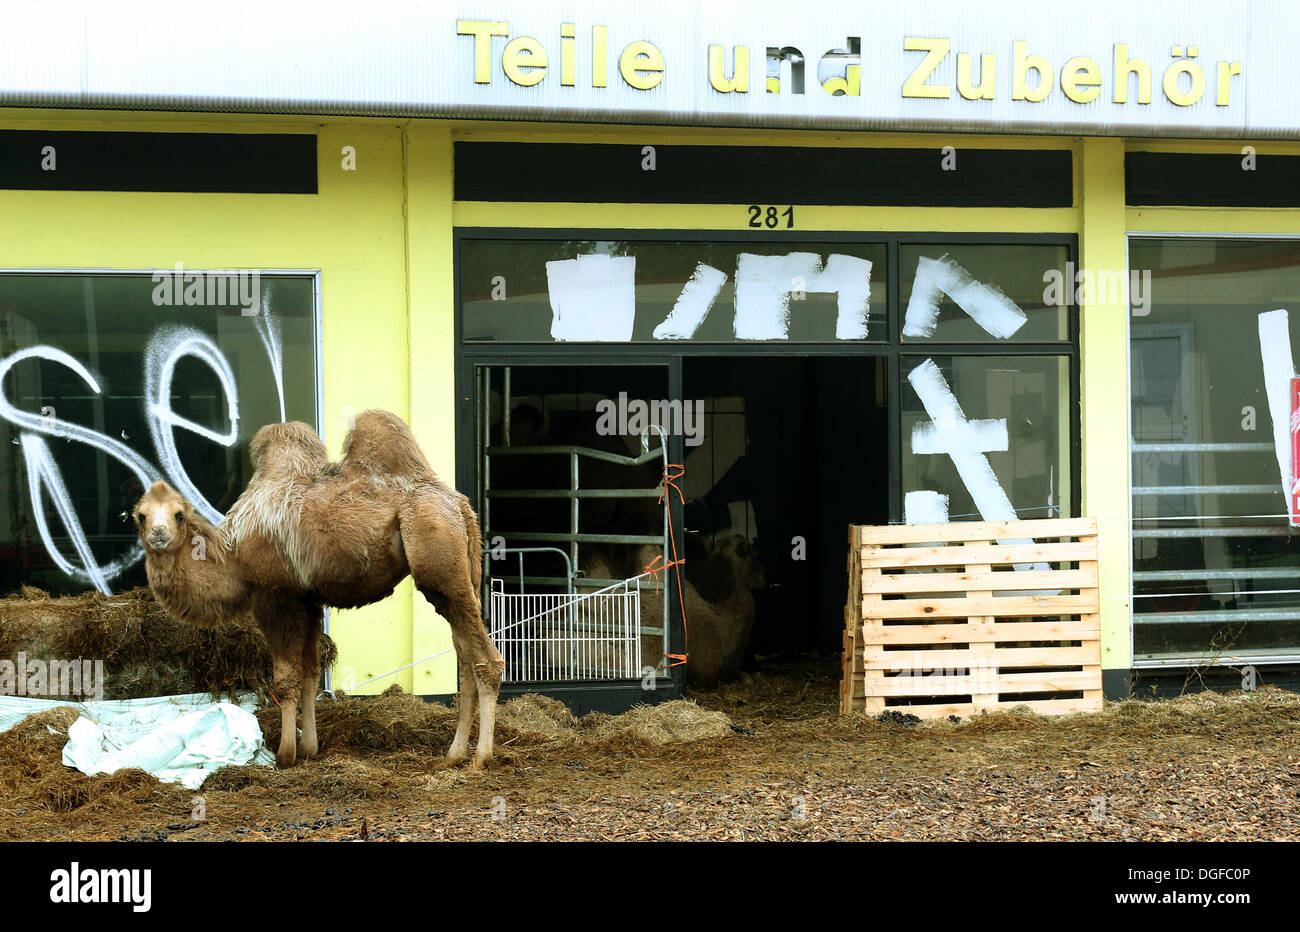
794, 449
781, 455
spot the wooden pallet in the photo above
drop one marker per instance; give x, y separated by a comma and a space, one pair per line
947, 614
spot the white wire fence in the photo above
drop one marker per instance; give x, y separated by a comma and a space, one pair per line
548, 637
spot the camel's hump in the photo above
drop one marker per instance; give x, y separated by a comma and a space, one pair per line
380, 441
294, 443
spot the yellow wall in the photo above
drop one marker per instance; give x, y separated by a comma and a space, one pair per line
381, 238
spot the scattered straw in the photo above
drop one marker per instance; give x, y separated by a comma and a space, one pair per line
674, 722
1201, 766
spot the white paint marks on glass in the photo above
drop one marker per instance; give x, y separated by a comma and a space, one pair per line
268, 329
764, 285
593, 298
985, 303
1279, 369
850, 279
693, 304
763, 288
167, 346
43, 475
924, 506
965, 442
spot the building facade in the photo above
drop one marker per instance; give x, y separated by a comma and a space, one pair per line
896, 266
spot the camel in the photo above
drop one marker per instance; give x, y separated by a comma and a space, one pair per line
720, 578
307, 533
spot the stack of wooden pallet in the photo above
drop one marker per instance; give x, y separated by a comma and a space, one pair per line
955, 619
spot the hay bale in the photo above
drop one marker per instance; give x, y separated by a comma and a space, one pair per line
388, 722
675, 722
145, 652
531, 719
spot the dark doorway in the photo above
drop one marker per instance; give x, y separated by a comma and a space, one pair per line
794, 450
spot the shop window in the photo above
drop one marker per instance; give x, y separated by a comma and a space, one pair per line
1215, 560
110, 381
529, 291
986, 437
979, 293
817, 408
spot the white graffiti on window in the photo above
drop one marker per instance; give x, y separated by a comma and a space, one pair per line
167, 346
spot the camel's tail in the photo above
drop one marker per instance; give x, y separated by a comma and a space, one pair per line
474, 544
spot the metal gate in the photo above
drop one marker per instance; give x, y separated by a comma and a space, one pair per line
549, 636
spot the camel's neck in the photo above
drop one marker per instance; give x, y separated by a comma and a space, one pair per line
198, 581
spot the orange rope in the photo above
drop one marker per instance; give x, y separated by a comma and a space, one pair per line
670, 483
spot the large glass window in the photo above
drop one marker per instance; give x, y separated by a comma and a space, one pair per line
527, 291
979, 332
964, 293
111, 381
1215, 560
1014, 411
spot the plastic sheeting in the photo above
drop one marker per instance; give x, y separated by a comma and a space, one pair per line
178, 739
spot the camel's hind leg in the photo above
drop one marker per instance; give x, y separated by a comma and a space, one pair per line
488, 668
459, 750
310, 668
437, 556
480, 667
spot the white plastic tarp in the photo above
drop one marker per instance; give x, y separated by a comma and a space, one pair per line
178, 739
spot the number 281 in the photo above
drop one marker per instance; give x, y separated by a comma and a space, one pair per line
770, 217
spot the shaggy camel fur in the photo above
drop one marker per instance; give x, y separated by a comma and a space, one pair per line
307, 533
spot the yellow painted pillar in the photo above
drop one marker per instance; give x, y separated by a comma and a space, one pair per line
364, 332
1104, 390
431, 277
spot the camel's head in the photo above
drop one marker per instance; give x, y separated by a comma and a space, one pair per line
159, 517
744, 556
